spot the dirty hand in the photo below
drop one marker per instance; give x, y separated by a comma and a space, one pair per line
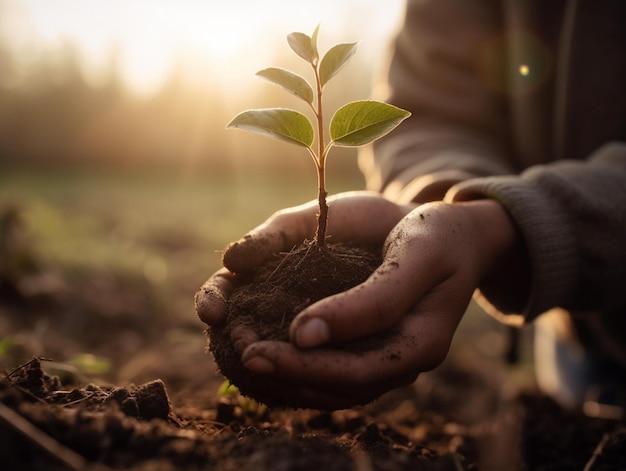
359, 217
434, 259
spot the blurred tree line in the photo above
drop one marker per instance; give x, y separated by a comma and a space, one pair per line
51, 115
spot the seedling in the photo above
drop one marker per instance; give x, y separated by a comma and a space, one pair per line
248, 406
354, 124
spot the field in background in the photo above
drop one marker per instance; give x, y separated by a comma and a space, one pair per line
167, 229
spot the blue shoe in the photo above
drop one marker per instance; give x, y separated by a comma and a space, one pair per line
569, 373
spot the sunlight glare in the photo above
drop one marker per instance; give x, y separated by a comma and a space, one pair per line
524, 70
146, 39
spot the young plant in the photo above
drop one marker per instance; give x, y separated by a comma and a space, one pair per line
354, 124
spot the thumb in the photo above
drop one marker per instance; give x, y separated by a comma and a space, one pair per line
375, 305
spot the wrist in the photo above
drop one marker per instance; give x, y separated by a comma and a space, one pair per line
506, 269
497, 236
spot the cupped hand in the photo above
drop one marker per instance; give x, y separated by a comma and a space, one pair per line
434, 259
359, 217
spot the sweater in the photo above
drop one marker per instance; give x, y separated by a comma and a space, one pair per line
521, 101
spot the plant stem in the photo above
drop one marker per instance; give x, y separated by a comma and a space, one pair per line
322, 215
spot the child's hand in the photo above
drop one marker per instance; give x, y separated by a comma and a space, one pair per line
434, 259
359, 217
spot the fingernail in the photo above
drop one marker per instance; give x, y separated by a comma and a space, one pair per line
259, 364
312, 333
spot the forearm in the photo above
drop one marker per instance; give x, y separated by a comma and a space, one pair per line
572, 218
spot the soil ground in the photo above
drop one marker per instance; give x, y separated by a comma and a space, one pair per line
123, 381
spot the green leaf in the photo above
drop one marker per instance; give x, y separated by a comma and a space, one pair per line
291, 82
314, 37
227, 389
361, 122
5, 345
278, 123
91, 364
304, 46
335, 59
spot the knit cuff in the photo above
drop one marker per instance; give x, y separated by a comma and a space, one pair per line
547, 235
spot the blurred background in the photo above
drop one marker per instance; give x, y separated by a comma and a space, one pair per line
119, 184
149, 84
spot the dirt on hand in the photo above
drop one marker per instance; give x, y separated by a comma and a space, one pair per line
158, 406
268, 298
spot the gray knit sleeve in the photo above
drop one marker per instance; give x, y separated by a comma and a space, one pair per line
443, 71
572, 217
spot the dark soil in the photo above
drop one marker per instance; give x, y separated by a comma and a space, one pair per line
46, 426
267, 300
158, 406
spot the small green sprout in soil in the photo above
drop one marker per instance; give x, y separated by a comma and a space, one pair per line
354, 124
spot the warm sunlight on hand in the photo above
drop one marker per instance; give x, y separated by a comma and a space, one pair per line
361, 217
434, 259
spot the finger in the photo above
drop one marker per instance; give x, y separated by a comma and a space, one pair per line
359, 217
317, 383
373, 306
419, 343
210, 300
411, 267
333, 379
242, 336
279, 233
363, 217
329, 366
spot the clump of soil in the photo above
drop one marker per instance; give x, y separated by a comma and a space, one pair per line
272, 294
136, 428
45, 425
